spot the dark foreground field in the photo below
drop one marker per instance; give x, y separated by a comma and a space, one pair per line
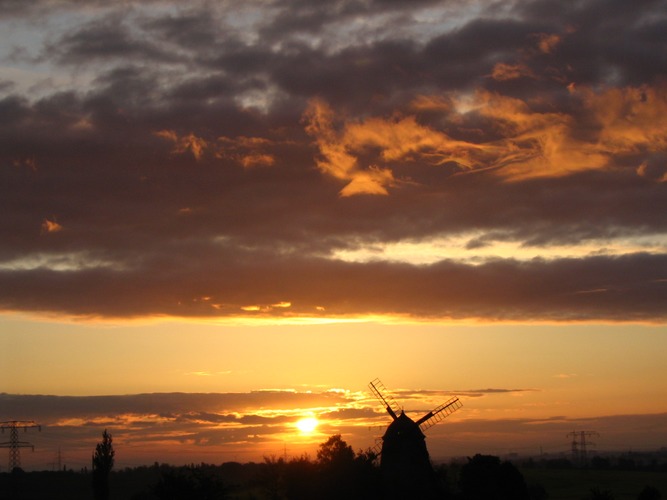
576, 484
558, 484
339, 473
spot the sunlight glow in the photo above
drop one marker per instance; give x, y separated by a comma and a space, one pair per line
307, 425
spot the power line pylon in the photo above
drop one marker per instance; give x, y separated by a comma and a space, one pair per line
580, 444
14, 444
575, 446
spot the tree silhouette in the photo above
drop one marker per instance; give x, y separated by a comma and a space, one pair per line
103, 460
336, 461
485, 477
335, 452
344, 474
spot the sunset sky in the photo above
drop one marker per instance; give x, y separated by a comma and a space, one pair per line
218, 218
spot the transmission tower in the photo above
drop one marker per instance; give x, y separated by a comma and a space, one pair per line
57, 464
14, 444
580, 442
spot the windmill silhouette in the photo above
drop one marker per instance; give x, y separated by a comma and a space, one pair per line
404, 460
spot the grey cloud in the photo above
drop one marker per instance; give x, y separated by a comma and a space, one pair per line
402, 394
107, 38
186, 406
622, 288
194, 30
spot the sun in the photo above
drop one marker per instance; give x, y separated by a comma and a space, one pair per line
307, 425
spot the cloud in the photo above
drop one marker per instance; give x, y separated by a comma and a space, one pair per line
547, 42
320, 130
192, 143
49, 226
504, 71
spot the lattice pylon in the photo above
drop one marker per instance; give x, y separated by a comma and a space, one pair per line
14, 444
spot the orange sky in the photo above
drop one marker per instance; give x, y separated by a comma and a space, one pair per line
523, 387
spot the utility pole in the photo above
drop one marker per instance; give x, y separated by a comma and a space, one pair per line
14, 444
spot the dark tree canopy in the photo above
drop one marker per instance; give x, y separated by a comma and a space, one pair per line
335, 452
485, 477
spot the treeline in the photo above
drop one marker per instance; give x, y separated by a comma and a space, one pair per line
337, 472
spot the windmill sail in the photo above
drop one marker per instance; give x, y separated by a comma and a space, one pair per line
438, 414
380, 392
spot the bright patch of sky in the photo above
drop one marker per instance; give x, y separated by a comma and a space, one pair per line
23, 61
260, 100
65, 262
457, 248
34, 74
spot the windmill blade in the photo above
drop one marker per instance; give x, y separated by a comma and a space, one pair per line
440, 413
380, 392
377, 447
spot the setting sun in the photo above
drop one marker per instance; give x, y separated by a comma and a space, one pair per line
307, 425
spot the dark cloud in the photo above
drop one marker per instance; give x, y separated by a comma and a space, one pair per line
215, 160
162, 405
104, 39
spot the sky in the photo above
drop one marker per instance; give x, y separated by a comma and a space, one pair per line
220, 218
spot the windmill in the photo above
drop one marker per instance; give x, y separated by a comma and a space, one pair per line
404, 460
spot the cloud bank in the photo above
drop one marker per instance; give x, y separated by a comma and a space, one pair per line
216, 160
181, 428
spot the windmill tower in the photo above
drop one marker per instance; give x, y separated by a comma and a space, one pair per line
404, 460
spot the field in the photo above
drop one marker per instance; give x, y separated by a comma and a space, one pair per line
576, 484
254, 481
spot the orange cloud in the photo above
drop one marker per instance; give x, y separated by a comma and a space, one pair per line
248, 151
645, 170
267, 308
196, 145
405, 138
631, 119
536, 144
503, 71
49, 226
432, 103
372, 181
533, 143
336, 160
547, 42
257, 160
396, 139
